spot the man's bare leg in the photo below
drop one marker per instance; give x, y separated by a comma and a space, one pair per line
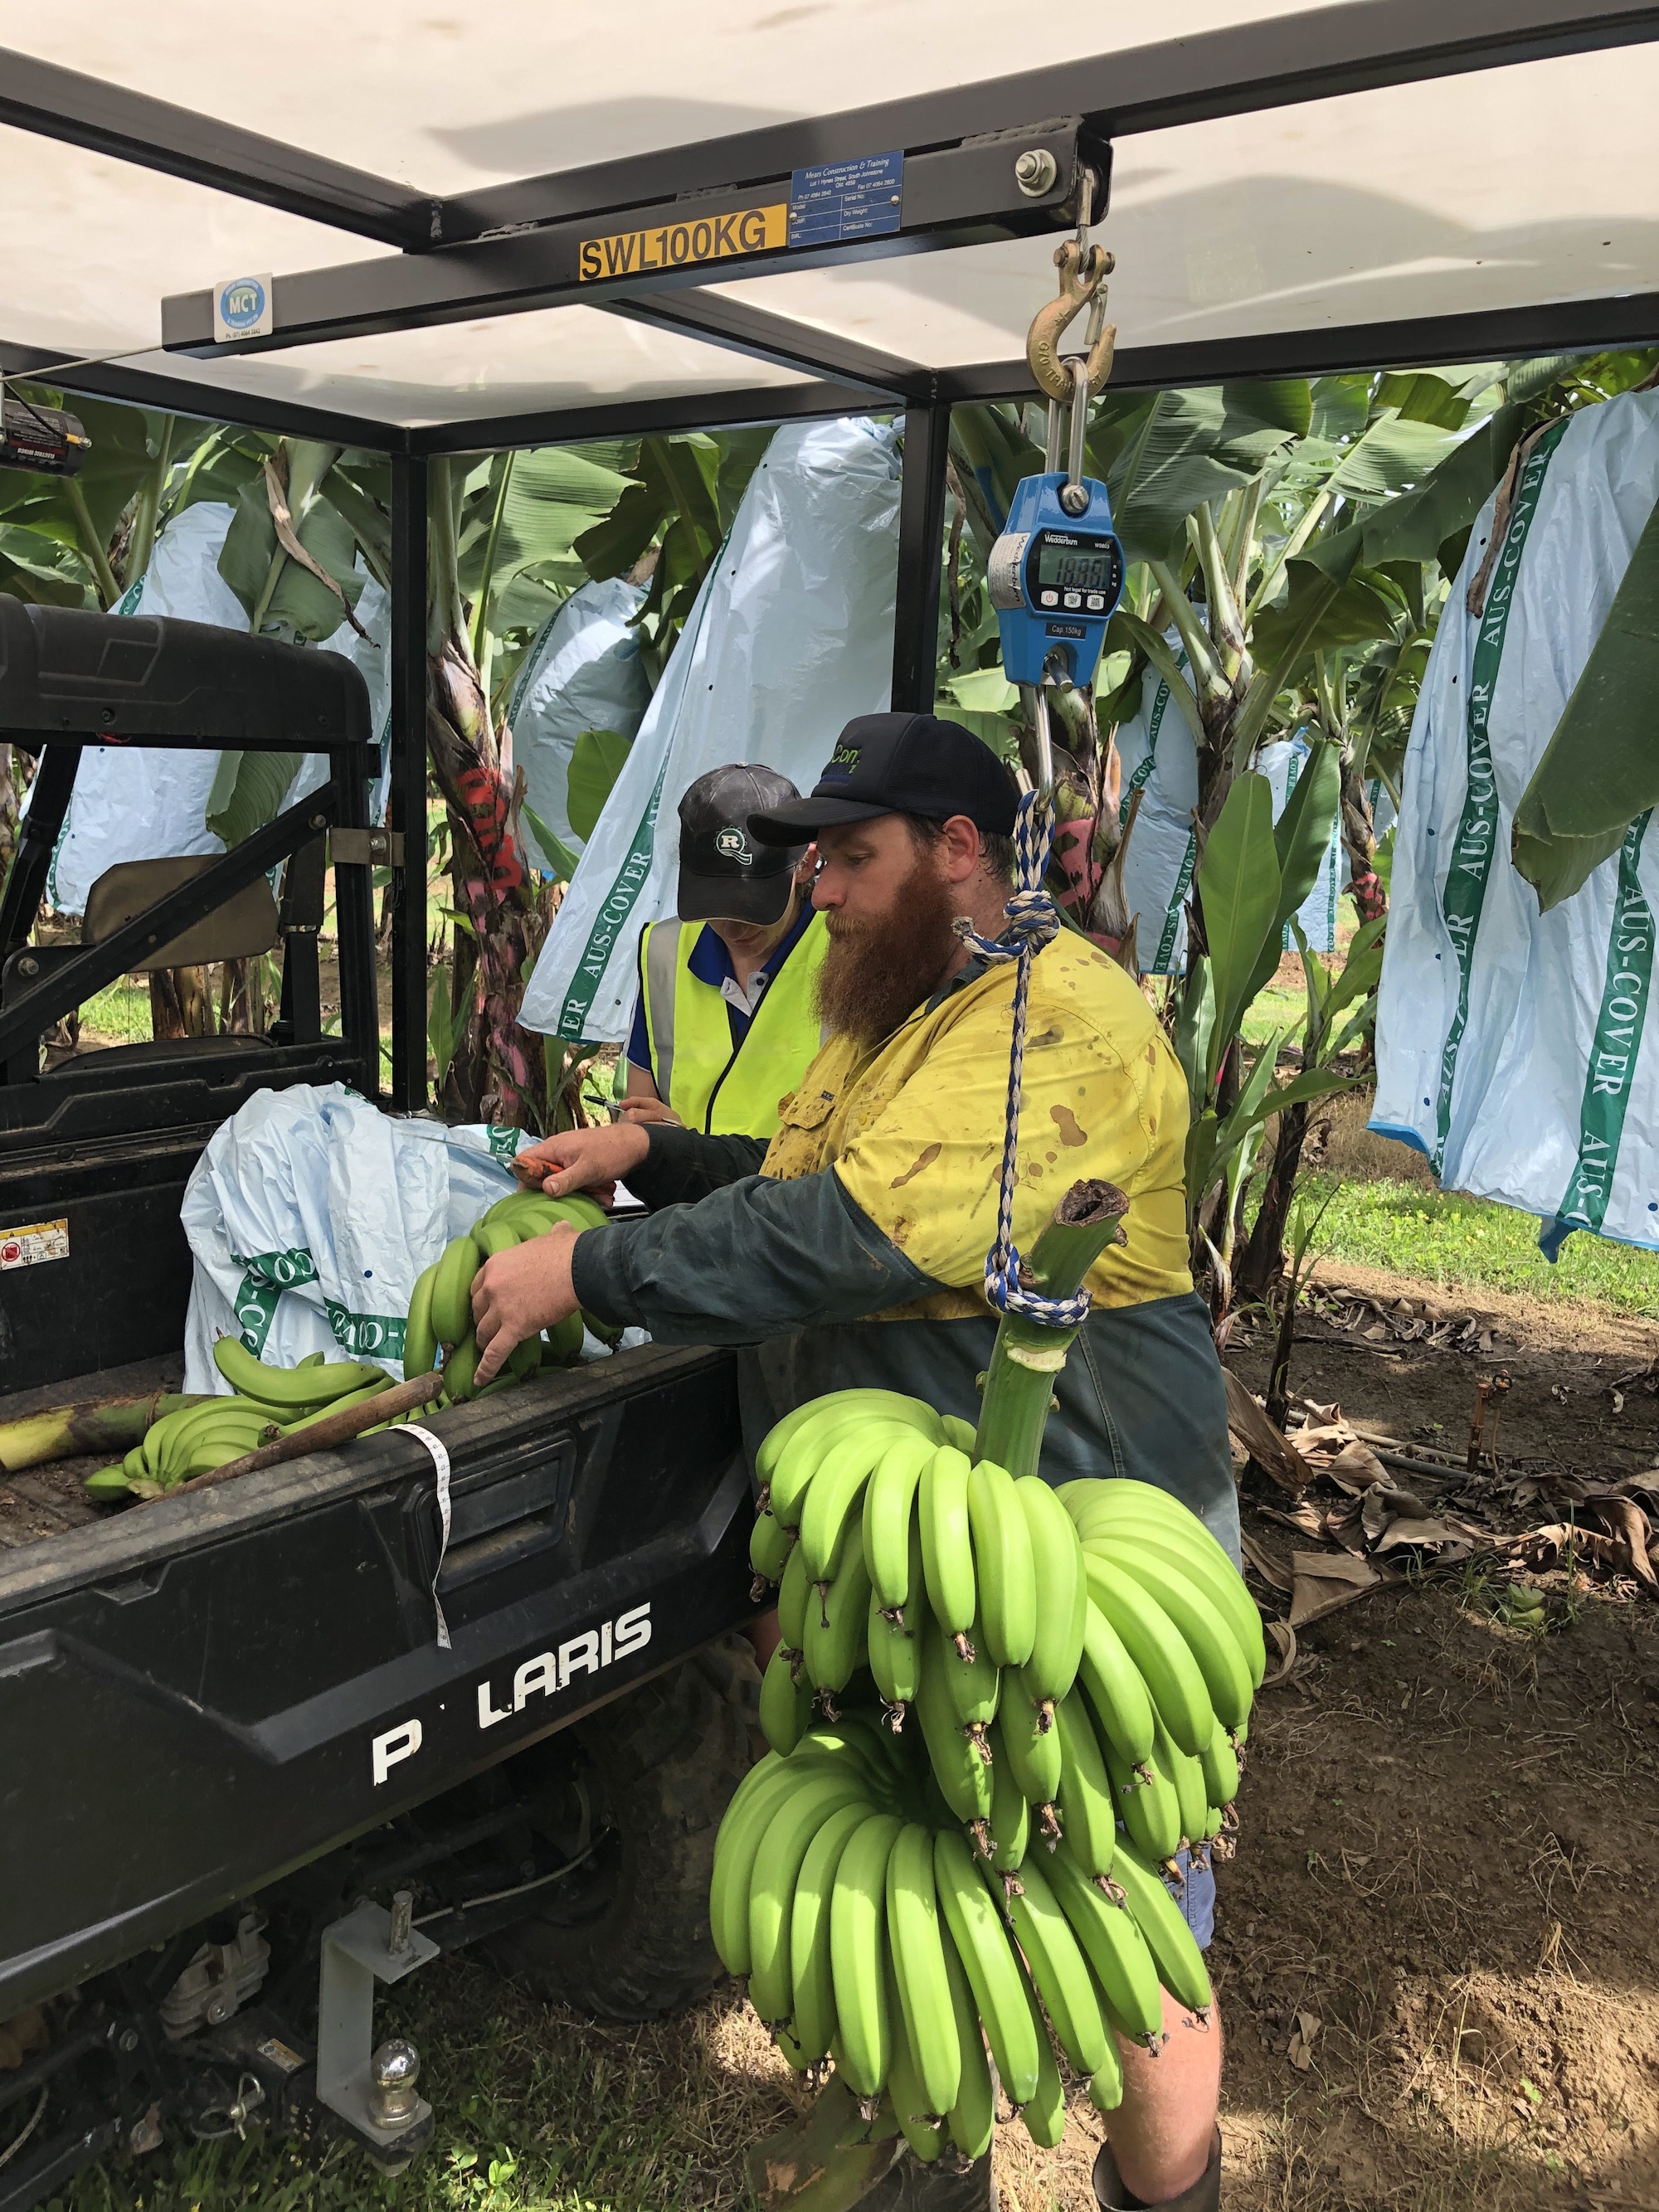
764, 1633
1161, 2133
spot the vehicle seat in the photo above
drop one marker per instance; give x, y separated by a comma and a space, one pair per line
244, 926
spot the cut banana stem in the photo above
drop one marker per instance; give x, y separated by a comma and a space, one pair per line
1028, 1356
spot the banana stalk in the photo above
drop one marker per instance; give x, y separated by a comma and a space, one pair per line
67, 1431
1027, 1355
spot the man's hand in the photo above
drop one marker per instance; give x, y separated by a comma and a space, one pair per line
647, 1108
582, 1159
518, 1294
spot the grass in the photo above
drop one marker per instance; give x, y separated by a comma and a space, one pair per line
119, 1010
537, 2111
1447, 1238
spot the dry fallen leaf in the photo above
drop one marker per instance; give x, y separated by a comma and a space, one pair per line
1326, 1580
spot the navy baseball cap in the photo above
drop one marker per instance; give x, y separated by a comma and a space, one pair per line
899, 765
725, 874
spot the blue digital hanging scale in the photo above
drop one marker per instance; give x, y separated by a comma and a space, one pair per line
1055, 578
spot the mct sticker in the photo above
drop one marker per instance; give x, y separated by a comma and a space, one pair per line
28, 1248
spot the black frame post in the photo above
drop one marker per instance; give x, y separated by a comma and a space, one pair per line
921, 552
408, 794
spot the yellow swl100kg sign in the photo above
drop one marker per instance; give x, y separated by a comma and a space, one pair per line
683, 244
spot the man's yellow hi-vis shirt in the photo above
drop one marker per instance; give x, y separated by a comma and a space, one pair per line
913, 1130
851, 1250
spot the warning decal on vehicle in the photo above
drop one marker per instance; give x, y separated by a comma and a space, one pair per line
27, 1248
682, 245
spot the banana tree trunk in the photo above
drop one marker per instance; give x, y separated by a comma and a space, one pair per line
1263, 1260
497, 1071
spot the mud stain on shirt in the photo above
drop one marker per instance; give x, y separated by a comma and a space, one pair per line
924, 1159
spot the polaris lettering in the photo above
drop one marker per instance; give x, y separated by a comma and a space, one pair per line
544, 1674
683, 245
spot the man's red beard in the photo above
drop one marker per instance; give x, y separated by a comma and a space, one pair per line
876, 973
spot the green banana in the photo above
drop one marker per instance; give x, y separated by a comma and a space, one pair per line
894, 1658
1059, 1971
958, 1763
494, 1237
564, 1340
108, 1482
1011, 1815
1175, 1952
451, 1290
973, 1687
947, 1551
972, 2118
810, 1964
1044, 2110
524, 1359
889, 1517
1147, 1803
1206, 1634
419, 1344
298, 1388
794, 1591
962, 1434
1115, 1948
788, 1466
1209, 1570
917, 1946
786, 1705
837, 1623
1159, 1650
919, 2119
833, 1506
1057, 1557
1004, 1569
461, 1367
1186, 1776
769, 1547
1031, 1745
777, 1867
1115, 1690
1106, 2088
1087, 1816
858, 1953
993, 1971
311, 1359
756, 1799
338, 1406
1220, 1764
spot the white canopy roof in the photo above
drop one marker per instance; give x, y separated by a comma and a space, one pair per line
1294, 187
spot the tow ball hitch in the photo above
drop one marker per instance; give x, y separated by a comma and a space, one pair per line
373, 2091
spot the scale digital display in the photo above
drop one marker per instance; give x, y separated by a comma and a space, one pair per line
1082, 570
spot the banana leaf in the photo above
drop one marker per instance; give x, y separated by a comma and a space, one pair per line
1302, 837
302, 602
1238, 887
556, 854
1163, 457
1318, 619
1600, 769
1414, 526
248, 790
596, 762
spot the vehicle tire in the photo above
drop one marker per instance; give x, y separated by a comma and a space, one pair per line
627, 1937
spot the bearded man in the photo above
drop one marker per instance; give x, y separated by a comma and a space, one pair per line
851, 1249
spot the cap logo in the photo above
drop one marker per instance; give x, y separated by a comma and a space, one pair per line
731, 845
845, 756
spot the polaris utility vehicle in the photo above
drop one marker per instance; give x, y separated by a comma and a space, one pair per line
242, 1787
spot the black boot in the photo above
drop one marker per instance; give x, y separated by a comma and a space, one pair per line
1203, 2196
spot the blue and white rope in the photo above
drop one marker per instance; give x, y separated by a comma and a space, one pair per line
1033, 922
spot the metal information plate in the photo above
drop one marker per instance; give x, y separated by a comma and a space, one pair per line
683, 244
27, 1248
846, 199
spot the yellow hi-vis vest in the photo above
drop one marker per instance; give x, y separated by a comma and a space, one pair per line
721, 1088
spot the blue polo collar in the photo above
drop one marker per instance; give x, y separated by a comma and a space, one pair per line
711, 963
